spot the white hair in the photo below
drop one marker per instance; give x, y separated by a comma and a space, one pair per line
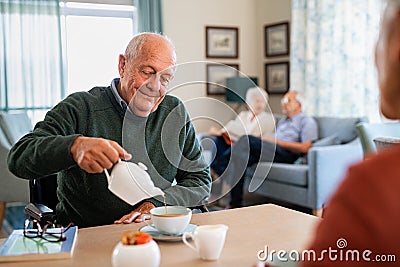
300, 98
255, 92
135, 46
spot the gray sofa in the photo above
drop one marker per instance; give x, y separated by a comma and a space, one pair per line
310, 181
12, 189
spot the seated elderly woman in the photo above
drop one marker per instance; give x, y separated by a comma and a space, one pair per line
254, 121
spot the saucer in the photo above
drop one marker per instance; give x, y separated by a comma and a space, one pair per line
165, 237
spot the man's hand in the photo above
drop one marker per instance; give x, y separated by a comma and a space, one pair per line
134, 216
96, 154
215, 131
269, 139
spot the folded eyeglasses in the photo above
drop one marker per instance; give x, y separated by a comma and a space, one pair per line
49, 232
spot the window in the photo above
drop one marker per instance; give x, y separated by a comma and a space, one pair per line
74, 46
95, 34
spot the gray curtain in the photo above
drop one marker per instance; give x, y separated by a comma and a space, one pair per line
31, 71
149, 15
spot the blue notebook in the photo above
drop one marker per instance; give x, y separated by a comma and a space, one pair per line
20, 248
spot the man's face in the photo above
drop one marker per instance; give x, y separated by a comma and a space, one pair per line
145, 79
290, 106
387, 60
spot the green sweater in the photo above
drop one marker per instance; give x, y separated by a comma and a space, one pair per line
165, 141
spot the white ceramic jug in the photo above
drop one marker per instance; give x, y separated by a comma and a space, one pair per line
208, 240
131, 182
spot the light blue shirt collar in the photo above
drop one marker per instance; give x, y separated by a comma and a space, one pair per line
114, 84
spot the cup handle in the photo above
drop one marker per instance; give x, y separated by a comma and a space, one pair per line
187, 243
144, 218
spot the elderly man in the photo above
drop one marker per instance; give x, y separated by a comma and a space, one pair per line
294, 136
84, 134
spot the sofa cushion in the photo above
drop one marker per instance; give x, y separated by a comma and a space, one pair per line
327, 141
15, 125
343, 128
281, 172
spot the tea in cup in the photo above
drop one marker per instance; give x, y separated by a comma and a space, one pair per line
170, 220
208, 240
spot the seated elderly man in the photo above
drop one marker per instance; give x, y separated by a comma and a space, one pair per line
131, 119
294, 136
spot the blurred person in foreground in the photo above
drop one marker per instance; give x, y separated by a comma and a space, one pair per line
85, 134
362, 219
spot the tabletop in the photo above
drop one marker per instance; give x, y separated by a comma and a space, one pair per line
251, 229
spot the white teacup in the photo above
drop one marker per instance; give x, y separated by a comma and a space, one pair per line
171, 220
208, 240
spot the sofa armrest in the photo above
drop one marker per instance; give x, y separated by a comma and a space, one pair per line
329, 164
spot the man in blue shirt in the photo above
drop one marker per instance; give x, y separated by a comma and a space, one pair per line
294, 136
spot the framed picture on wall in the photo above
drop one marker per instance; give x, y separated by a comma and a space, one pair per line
216, 75
277, 77
277, 39
222, 42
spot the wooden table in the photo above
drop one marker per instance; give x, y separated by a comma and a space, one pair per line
250, 230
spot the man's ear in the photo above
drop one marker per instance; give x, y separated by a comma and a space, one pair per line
121, 65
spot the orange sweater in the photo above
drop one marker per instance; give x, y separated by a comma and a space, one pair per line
362, 216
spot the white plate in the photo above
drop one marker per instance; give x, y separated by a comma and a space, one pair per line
165, 237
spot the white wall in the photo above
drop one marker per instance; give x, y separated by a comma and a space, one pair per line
184, 23
270, 12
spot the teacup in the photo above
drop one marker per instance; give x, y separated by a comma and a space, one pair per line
171, 220
208, 240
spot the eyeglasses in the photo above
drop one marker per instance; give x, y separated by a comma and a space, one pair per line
49, 232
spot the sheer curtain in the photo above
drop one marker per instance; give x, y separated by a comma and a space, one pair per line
149, 15
332, 56
31, 72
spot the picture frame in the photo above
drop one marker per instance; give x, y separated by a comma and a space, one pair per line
222, 42
277, 41
277, 78
216, 75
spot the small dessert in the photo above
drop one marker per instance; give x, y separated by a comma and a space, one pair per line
135, 238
